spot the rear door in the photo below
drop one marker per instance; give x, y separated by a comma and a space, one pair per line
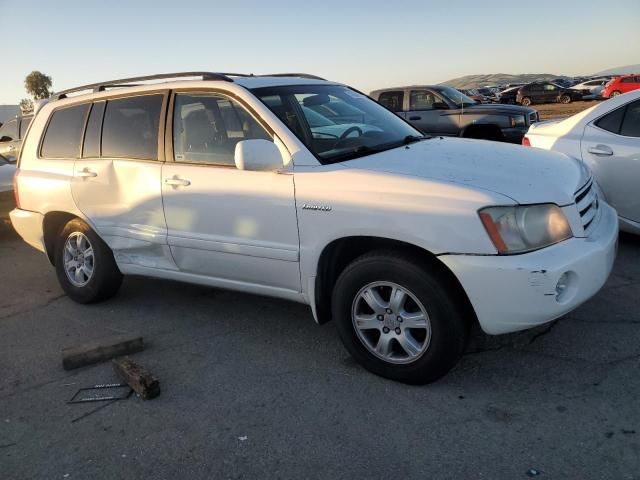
117, 182
611, 148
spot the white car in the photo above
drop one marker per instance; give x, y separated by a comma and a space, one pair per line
403, 240
591, 88
606, 138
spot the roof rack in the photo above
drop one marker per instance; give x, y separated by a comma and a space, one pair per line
131, 82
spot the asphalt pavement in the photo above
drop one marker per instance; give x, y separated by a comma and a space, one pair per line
253, 388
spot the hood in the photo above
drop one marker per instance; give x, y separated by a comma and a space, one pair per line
526, 175
500, 108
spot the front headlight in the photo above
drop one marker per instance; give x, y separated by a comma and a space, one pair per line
523, 228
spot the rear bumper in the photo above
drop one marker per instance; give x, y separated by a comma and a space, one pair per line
511, 293
29, 227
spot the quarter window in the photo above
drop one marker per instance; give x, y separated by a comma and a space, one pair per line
421, 100
207, 128
92, 134
63, 135
24, 124
631, 122
611, 121
392, 100
130, 127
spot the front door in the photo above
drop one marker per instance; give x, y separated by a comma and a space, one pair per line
233, 225
611, 148
117, 183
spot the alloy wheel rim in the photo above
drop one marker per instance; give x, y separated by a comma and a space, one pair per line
78, 259
391, 323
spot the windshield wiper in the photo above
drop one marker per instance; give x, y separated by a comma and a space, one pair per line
413, 138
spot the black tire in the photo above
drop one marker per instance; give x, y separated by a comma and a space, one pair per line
106, 277
449, 329
525, 102
565, 98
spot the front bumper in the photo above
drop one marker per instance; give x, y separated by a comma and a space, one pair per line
516, 292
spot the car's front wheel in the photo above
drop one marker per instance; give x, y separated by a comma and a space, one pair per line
615, 93
565, 99
526, 101
85, 265
396, 317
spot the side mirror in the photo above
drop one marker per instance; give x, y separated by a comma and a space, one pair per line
257, 155
6, 139
440, 106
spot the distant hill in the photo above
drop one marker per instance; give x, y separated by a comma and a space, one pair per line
475, 81
8, 111
621, 70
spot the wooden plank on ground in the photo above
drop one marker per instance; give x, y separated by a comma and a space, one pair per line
100, 350
137, 377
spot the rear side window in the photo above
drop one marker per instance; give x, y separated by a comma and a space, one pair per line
611, 122
130, 127
392, 100
631, 122
64, 133
92, 135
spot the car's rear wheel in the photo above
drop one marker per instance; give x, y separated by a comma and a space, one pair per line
526, 101
565, 98
85, 265
615, 93
396, 317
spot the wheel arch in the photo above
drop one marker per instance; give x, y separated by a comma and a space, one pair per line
52, 225
340, 252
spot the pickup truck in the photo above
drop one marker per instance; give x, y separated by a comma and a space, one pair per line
444, 111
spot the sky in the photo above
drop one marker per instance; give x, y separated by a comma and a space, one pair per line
369, 44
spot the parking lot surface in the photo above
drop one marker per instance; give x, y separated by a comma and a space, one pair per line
253, 388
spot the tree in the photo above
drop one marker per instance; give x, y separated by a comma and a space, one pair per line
38, 85
26, 105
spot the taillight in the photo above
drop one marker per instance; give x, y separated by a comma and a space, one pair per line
15, 189
526, 142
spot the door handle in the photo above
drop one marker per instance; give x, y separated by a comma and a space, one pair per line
601, 150
86, 173
177, 182
415, 118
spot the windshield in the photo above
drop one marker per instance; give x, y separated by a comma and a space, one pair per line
335, 122
456, 97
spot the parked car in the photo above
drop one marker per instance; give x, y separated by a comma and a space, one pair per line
619, 85
403, 240
11, 135
474, 95
591, 88
546, 92
508, 95
607, 139
441, 110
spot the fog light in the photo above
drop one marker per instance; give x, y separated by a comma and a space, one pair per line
566, 287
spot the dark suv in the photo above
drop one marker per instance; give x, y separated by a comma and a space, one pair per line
546, 92
441, 110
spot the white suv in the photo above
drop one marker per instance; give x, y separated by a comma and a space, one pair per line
304, 189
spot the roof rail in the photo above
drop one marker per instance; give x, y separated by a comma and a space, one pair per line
299, 75
131, 82
126, 82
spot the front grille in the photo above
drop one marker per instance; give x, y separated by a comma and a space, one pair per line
588, 204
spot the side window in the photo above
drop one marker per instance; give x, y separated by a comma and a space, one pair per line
627, 80
548, 87
421, 100
611, 121
9, 130
64, 133
392, 100
94, 129
130, 127
206, 128
24, 124
631, 122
